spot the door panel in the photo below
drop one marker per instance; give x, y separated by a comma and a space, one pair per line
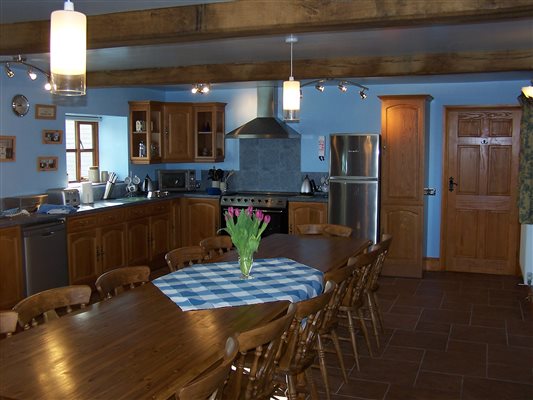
480, 229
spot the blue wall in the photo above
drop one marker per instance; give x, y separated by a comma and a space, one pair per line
321, 114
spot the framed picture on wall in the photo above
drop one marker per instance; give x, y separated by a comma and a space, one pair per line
7, 148
46, 163
52, 136
45, 111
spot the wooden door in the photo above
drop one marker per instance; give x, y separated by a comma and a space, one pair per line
11, 278
112, 247
178, 135
138, 242
160, 239
404, 127
480, 216
307, 213
200, 219
83, 257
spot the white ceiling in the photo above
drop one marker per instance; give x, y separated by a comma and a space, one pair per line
496, 36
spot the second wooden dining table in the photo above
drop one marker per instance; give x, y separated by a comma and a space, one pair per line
141, 345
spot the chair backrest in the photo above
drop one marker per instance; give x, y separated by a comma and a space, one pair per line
299, 352
324, 229
211, 382
216, 245
8, 322
50, 304
184, 256
114, 282
362, 265
382, 248
252, 378
342, 278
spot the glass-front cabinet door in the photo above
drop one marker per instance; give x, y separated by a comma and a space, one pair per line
209, 131
145, 132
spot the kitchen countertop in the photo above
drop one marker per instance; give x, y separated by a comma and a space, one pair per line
100, 205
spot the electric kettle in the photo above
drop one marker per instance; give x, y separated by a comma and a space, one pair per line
147, 185
306, 188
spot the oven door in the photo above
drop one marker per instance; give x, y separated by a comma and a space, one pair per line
279, 220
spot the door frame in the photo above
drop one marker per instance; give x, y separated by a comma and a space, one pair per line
445, 175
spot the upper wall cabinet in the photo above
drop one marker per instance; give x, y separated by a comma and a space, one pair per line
209, 131
176, 132
145, 131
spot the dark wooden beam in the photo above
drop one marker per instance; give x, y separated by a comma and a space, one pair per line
422, 64
260, 17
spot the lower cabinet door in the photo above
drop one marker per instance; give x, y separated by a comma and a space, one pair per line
11, 285
83, 257
113, 246
138, 242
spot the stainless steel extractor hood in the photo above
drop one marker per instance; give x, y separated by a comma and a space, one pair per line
266, 125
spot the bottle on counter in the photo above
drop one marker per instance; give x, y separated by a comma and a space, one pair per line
142, 149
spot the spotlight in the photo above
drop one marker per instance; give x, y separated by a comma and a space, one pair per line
9, 71
342, 87
362, 94
48, 85
319, 86
32, 74
194, 89
205, 89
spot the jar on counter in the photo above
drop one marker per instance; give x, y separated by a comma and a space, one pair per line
94, 174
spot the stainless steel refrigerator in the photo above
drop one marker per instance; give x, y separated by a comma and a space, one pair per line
354, 170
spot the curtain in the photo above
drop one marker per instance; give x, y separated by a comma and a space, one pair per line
525, 173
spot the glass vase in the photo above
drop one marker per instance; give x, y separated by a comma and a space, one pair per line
246, 262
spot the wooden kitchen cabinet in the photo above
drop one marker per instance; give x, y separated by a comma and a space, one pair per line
178, 139
11, 276
149, 230
96, 244
145, 128
209, 132
404, 131
200, 218
301, 212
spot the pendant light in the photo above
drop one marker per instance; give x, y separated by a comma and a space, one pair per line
291, 91
528, 90
68, 48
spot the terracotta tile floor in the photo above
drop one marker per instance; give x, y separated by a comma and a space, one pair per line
449, 336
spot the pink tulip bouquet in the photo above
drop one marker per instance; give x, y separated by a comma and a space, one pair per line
245, 228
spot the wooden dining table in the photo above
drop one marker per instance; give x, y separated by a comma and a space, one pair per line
140, 345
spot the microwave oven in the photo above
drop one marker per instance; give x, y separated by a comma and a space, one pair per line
177, 180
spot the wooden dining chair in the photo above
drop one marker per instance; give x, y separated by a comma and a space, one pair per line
354, 300
216, 245
184, 256
252, 374
324, 229
116, 281
210, 384
301, 344
51, 304
8, 322
328, 330
372, 285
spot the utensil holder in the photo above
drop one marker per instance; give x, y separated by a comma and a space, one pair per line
108, 189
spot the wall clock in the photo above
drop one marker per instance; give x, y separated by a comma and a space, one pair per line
20, 105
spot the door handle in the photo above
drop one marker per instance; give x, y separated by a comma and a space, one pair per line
451, 184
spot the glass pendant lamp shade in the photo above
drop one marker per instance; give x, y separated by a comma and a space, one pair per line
291, 100
68, 48
528, 91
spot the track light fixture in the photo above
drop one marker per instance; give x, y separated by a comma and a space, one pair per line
31, 69
342, 85
201, 88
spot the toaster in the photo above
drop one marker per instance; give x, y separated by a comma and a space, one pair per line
66, 197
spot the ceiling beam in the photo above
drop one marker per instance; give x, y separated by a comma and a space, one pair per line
422, 64
260, 17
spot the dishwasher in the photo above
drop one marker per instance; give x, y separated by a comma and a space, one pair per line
45, 256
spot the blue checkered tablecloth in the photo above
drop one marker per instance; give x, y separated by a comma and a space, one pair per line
215, 285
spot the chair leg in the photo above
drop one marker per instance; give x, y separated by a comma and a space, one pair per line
322, 362
378, 311
362, 323
337, 345
373, 317
351, 329
291, 386
311, 382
